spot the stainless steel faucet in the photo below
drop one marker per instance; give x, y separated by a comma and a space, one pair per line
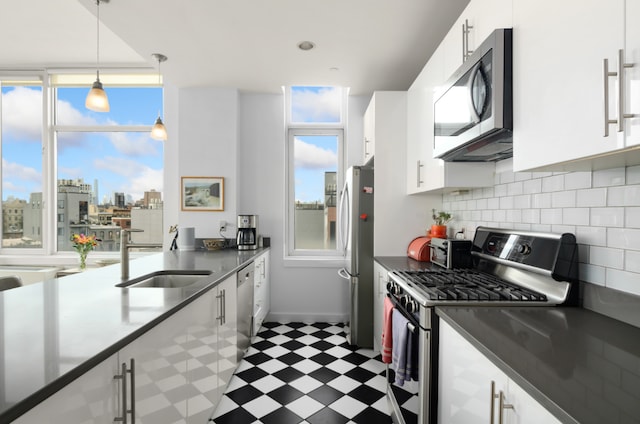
125, 246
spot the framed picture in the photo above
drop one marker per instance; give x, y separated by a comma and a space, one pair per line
202, 194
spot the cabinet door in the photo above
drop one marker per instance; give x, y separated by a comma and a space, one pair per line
422, 170
380, 283
203, 360
632, 75
559, 79
261, 291
464, 381
228, 332
159, 363
369, 143
525, 409
481, 18
92, 398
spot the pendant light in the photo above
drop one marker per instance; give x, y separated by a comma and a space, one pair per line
97, 100
159, 132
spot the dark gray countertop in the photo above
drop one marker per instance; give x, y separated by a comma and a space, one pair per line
52, 332
402, 263
582, 366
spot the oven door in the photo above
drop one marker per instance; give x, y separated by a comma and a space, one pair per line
414, 401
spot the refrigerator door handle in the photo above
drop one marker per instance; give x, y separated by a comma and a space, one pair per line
344, 218
343, 273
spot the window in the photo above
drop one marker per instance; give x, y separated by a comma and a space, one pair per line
314, 169
21, 133
94, 168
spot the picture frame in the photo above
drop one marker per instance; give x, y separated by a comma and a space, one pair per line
202, 194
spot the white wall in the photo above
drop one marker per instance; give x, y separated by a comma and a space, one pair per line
602, 208
307, 294
202, 125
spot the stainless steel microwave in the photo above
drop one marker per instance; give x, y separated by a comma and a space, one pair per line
473, 118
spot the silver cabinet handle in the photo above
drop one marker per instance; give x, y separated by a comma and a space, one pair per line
264, 267
224, 307
621, 90
607, 74
492, 408
466, 29
132, 380
502, 407
366, 151
123, 377
418, 172
621, 93
219, 297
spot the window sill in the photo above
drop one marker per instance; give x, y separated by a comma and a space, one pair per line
314, 262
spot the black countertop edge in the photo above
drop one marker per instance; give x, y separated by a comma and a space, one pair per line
50, 389
549, 404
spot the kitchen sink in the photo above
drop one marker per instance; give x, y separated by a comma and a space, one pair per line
166, 279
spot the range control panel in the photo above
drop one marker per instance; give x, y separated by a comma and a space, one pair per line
533, 249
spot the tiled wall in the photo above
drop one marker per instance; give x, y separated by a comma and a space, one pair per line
602, 208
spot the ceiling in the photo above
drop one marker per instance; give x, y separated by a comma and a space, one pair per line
251, 45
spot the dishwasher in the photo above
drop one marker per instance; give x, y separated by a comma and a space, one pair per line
245, 308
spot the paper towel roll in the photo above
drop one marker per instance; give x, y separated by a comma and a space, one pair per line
187, 238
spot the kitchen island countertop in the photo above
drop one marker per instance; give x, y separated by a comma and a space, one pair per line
54, 331
582, 366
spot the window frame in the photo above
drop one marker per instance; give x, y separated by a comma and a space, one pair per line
50, 80
305, 257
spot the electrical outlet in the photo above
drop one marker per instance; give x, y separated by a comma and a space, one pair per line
223, 226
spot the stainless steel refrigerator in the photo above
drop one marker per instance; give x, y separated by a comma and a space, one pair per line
355, 235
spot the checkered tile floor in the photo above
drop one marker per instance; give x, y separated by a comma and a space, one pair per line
305, 373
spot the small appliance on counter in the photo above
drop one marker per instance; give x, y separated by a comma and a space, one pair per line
247, 238
420, 249
451, 253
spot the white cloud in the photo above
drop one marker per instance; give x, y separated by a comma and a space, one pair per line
21, 172
119, 166
69, 115
313, 157
146, 180
134, 144
22, 113
316, 105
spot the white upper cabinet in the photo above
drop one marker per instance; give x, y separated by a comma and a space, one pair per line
559, 84
474, 25
369, 145
632, 75
424, 173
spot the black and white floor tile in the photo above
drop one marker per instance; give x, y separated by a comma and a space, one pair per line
305, 373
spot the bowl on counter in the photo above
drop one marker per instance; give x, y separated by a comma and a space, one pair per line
214, 244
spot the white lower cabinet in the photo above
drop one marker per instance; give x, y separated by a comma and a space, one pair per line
380, 276
179, 370
261, 291
470, 387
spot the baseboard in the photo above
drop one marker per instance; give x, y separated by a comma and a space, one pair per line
306, 318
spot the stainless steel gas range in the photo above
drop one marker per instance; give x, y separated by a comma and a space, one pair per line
506, 268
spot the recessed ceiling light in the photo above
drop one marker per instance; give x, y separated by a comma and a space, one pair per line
306, 45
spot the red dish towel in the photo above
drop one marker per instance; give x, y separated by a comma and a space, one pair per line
387, 336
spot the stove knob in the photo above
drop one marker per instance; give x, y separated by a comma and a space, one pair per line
524, 249
393, 288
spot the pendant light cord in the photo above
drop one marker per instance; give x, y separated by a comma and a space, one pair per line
98, 41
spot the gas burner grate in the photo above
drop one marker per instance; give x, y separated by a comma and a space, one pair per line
468, 285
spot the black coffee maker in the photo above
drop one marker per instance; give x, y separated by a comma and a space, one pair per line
247, 238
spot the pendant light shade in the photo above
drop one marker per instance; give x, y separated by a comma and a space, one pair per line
159, 132
97, 100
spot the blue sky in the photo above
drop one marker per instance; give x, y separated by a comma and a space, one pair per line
122, 162
314, 154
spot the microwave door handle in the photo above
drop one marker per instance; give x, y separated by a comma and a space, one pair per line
475, 72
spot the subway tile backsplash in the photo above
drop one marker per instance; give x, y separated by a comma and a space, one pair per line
602, 208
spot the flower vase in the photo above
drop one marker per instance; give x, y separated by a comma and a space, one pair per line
83, 261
